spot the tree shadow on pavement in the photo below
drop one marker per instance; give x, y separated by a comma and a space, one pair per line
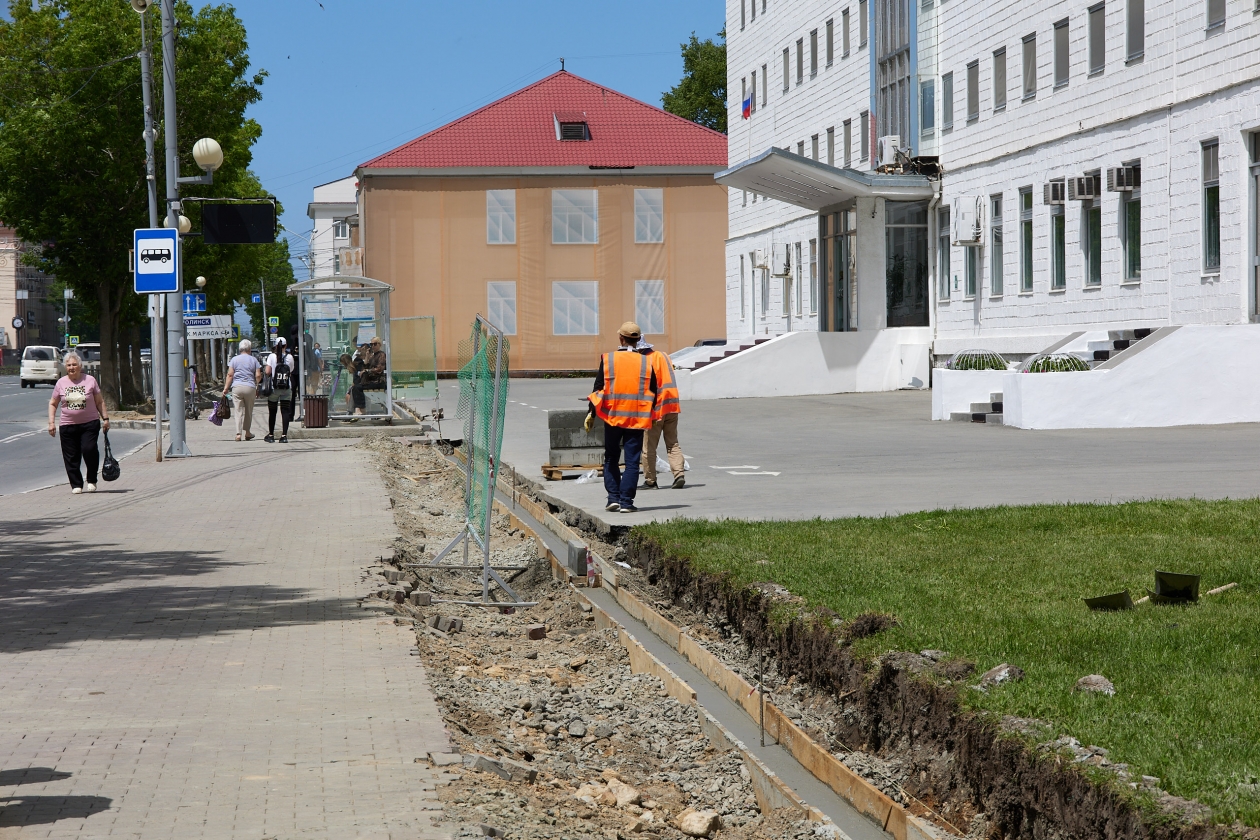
58, 593
31, 776
41, 810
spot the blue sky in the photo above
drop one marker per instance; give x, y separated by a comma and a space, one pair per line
351, 78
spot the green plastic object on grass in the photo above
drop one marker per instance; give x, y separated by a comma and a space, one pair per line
483, 392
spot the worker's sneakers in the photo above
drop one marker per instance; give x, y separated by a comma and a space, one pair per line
613, 507
629, 509
679, 482
649, 485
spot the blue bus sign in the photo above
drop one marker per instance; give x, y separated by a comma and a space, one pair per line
157, 261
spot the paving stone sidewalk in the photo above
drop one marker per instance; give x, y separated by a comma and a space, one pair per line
182, 654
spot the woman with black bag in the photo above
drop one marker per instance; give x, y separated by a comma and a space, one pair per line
278, 372
82, 416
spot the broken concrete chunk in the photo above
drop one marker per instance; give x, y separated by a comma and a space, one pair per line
1096, 684
625, 794
577, 729
485, 764
1000, 674
445, 759
421, 599
536, 632
448, 625
491, 831
578, 662
698, 823
586, 607
519, 772
392, 575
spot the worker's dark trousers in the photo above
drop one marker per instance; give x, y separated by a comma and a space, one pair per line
621, 486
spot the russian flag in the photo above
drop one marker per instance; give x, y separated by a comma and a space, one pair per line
748, 107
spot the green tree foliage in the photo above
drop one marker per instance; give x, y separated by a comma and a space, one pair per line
72, 173
701, 95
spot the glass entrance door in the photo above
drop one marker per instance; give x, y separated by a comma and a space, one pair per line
838, 231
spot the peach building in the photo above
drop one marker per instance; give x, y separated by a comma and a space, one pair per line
558, 212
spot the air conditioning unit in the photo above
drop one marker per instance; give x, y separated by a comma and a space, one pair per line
1124, 179
784, 264
968, 216
886, 149
1084, 187
1055, 192
759, 259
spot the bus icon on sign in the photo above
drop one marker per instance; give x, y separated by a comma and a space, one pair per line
148, 255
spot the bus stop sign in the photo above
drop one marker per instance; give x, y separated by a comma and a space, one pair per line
157, 261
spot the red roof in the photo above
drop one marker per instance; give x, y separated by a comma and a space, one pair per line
519, 130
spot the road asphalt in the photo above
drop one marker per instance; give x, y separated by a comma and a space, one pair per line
29, 458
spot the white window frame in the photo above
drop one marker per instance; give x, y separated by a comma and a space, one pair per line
649, 306
500, 217
999, 79
568, 206
1135, 30
501, 307
1211, 169
574, 297
1096, 29
649, 216
1028, 68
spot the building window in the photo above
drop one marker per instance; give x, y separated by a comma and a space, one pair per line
501, 305
1215, 14
942, 253
831, 41
800, 279
763, 277
927, 106
341, 229
1091, 240
1135, 32
649, 306
1061, 53
649, 216
972, 265
1097, 39
574, 217
895, 89
743, 291
753, 9
947, 101
1025, 239
1030, 66
743, 13
862, 23
848, 143
864, 142
999, 79
787, 70
1132, 221
1058, 248
996, 283
753, 105
575, 307
800, 60
765, 84
1211, 208
844, 34
973, 91
813, 53
831, 147
743, 93
813, 277
500, 217
813, 144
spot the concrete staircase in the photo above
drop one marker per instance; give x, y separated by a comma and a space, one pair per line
1117, 340
982, 412
696, 361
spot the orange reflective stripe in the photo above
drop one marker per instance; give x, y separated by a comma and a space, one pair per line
667, 398
625, 402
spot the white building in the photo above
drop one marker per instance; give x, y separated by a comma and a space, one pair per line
1099, 159
333, 210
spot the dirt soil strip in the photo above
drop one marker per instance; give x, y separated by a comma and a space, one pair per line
564, 735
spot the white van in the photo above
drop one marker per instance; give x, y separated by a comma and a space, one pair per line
41, 364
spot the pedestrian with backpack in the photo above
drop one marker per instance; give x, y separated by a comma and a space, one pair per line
279, 370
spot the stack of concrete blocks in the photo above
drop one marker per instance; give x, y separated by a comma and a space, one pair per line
571, 444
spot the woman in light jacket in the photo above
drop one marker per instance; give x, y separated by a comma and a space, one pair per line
82, 415
244, 374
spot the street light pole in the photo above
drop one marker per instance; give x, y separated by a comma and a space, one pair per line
174, 302
155, 301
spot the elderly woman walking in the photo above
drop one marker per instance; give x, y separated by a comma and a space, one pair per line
244, 375
82, 413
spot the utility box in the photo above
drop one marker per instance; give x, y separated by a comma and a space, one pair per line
571, 445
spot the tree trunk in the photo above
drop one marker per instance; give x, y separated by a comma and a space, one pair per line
108, 299
137, 364
128, 350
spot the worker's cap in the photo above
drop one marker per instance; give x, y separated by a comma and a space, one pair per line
630, 330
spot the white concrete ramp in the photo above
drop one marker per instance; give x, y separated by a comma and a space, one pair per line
806, 363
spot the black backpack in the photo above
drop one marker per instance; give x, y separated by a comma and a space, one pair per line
280, 379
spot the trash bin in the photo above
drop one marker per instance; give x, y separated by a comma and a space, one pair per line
315, 411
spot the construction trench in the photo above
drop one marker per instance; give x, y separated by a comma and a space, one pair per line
629, 709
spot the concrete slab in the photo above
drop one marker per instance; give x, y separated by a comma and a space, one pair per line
877, 454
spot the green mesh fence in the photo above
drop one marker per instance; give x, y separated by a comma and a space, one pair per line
483, 392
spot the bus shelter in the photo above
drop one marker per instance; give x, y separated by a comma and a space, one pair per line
338, 317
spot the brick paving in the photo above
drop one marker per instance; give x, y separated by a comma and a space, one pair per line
184, 656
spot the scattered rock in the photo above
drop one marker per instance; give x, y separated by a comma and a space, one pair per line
1096, 684
577, 662
934, 655
535, 632
577, 729
624, 793
999, 674
698, 823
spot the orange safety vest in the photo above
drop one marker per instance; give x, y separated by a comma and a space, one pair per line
666, 387
626, 401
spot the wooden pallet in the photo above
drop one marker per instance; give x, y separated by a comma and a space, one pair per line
552, 473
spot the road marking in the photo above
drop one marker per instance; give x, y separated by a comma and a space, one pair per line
740, 467
754, 473
15, 437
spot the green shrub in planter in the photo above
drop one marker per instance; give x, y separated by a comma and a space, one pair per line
976, 360
1055, 363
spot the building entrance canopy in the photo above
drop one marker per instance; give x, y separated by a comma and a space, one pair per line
797, 180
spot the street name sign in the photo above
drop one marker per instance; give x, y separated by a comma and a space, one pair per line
208, 326
156, 261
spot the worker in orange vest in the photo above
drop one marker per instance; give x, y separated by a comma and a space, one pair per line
625, 392
665, 413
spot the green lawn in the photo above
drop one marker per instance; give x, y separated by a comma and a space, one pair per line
1005, 585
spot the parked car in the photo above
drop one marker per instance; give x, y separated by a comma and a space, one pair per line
91, 356
40, 364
